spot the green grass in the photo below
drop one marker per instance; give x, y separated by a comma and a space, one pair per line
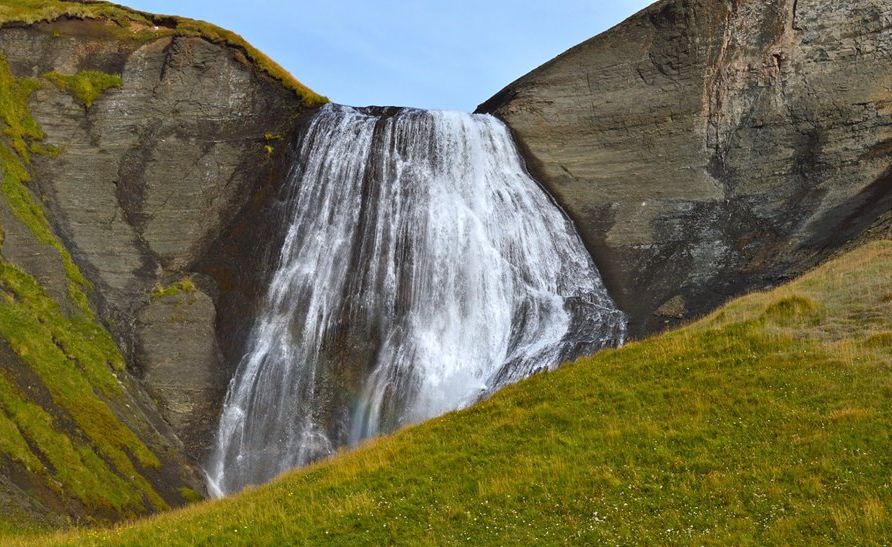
128, 24
86, 86
75, 360
182, 286
767, 422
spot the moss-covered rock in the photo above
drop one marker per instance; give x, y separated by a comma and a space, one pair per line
133, 151
148, 139
178, 287
85, 86
65, 440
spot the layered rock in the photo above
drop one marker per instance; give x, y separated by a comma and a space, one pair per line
159, 179
705, 148
151, 174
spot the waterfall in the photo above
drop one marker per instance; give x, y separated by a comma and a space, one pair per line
422, 269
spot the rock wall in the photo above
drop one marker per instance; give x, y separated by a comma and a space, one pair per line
157, 189
706, 148
150, 176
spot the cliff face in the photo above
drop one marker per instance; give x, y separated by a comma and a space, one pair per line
705, 148
138, 154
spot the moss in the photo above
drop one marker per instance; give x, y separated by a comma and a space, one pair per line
47, 150
77, 471
74, 359
270, 138
22, 132
19, 127
85, 86
12, 442
135, 25
191, 496
183, 286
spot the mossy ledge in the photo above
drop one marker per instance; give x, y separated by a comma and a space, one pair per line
142, 26
181, 286
86, 86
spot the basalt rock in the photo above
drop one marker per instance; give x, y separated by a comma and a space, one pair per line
706, 148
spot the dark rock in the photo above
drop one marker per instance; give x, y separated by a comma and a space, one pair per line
180, 365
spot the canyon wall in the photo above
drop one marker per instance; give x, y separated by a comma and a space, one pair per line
703, 149
706, 148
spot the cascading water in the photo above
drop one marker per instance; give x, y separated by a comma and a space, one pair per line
422, 269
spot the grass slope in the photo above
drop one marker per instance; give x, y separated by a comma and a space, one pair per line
766, 423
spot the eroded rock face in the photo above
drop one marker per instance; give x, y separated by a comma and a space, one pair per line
181, 364
706, 148
155, 182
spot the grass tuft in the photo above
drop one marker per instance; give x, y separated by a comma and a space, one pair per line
182, 286
793, 310
882, 340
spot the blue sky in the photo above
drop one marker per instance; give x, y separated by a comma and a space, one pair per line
451, 54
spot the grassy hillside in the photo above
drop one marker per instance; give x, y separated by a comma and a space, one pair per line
767, 422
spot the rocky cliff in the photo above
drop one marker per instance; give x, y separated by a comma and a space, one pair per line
137, 154
706, 148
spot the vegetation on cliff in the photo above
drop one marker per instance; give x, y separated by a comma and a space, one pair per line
55, 417
86, 86
22, 136
79, 434
177, 287
767, 422
129, 24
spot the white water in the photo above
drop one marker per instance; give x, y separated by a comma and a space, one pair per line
422, 269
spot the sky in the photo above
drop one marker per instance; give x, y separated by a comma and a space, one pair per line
438, 54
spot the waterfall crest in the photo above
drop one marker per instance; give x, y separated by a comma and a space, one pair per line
422, 268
